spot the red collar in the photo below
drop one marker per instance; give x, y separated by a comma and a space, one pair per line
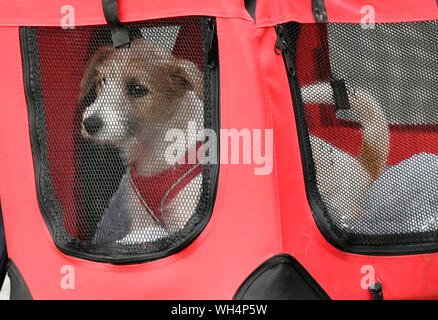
155, 192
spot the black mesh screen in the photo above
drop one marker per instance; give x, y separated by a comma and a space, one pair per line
117, 135
367, 111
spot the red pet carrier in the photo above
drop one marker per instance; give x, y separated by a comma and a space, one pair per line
220, 149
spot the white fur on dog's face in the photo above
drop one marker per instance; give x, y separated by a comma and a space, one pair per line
111, 107
137, 90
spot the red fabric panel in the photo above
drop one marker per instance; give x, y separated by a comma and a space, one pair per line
273, 12
268, 12
48, 12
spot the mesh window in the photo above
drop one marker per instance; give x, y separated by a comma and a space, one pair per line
366, 103
118, 136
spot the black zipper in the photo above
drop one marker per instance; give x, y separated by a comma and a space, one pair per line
282, 47
215, 98
211, 44
286, 47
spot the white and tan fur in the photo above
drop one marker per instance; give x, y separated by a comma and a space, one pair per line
341, 178
169, 95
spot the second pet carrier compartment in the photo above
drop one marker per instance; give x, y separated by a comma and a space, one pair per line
365, 102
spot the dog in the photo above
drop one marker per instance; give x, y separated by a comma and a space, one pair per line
342, 179
141, 93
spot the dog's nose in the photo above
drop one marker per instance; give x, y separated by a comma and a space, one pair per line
92, 125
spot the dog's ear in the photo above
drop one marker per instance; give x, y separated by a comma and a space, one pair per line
88, 83
186, 75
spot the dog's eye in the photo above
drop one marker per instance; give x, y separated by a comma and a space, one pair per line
137, 90
102, 81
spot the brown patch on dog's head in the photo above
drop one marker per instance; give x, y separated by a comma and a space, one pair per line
190, 72
166, 79
134, 91
166, 85
91, 75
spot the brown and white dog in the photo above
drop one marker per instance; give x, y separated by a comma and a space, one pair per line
142, 92
343, 179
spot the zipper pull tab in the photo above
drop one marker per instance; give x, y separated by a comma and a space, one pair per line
280, 43
211, 44
282, 48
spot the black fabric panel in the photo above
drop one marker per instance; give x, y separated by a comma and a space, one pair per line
3, 253
250, 6
19, 289
280, 278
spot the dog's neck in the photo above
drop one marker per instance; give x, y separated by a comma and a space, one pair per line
148, 155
